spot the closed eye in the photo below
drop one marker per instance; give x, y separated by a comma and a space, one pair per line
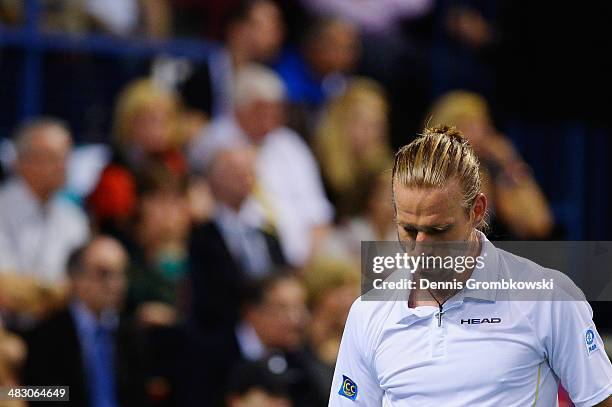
410, 230
438, 230
435, 230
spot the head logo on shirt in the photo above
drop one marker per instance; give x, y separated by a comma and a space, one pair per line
348, 388
589, 339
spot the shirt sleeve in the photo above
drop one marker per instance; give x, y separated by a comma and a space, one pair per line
576, 353
355, 382
291, 172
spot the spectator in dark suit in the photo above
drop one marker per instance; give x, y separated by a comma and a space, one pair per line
271, 329
88, 346
226, 253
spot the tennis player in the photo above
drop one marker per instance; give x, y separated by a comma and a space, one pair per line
464, 347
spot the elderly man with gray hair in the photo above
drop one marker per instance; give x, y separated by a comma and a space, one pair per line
288, 197
38, 228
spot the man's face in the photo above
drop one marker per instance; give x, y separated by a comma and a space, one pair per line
232, 176
101, 284
281, 318
43, 165
431, 214
429, 219
259, 118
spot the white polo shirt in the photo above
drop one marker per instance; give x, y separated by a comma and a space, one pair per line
393, 355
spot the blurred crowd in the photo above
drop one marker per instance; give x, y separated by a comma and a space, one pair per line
208, 252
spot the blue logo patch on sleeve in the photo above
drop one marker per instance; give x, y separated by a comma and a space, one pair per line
590, 341
348, 388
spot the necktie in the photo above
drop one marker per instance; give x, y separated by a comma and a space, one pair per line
254, 250
102, 384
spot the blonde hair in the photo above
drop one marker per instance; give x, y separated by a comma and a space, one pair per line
458, 107
440, 155
325, 274
331, 142
137, 96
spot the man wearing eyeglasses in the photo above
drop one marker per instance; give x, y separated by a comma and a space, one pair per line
87, 346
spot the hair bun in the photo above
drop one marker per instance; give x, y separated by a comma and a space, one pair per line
449, 131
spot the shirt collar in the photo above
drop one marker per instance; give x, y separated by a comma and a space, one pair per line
231, 226
489, 272
223, 214
29, 204
86, 320
249, 343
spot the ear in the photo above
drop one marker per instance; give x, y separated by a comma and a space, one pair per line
479, 209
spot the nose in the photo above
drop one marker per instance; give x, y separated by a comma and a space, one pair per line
422, 237
116, 284
422, 243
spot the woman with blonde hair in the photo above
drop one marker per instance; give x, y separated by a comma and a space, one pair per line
520, 209
144, 135
351, 143
332, 285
